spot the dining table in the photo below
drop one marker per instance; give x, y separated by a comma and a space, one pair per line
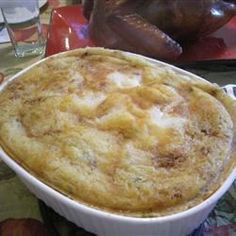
22, 214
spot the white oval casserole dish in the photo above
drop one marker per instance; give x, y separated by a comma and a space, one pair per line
108, 224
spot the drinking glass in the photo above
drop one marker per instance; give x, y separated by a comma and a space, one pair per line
22, 21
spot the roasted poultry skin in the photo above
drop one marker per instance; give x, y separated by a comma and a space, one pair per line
155, 28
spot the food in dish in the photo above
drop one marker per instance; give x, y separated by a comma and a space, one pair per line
118, 133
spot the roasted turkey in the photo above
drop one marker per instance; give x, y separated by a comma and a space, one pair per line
154, 28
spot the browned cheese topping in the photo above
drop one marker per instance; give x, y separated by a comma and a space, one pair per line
117, 132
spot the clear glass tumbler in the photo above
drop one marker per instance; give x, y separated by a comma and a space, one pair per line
22, 21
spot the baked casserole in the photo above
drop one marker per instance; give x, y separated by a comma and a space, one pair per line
118, 133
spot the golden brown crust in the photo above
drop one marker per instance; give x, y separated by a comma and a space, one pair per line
119, 133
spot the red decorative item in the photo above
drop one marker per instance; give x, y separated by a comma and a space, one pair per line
69, 30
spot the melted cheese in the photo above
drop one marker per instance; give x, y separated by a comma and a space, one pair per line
164, 120
117, 133
90, 99
122, 80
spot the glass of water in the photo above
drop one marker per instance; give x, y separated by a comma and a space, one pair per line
22, 21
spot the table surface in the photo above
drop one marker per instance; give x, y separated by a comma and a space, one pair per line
23, 214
